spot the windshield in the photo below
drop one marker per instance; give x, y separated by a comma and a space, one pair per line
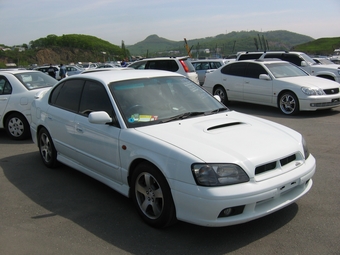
155, 100
284, 70
308, 59
35, 80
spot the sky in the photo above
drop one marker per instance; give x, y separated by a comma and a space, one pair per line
131, 21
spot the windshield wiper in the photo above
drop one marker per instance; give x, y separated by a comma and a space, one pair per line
182, 116
222, 109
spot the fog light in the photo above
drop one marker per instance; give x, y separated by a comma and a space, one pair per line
227, 211
231, 211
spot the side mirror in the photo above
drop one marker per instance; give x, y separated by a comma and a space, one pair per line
303, 63
99, 117
264, 77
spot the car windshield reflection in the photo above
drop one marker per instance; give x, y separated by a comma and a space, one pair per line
162, 99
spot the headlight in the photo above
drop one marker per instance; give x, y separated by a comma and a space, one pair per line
312, 91
305, 148
218, 174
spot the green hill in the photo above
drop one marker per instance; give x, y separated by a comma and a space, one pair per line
322, 46
223, 44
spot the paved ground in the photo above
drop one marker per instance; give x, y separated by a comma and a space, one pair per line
62, 211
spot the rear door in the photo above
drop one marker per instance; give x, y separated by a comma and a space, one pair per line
233, 80
256, 90
64, 101
5, 94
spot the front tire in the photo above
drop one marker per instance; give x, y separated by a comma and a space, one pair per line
220, 91
152, 196
17, 126
47, 150
288, 103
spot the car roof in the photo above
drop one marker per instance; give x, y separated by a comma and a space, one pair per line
19, 71
124, 74
208, 60
163, 58
266, 60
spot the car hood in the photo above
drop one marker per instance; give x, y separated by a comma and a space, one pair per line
311, 81
228, 137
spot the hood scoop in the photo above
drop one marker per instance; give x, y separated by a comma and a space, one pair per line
225, 125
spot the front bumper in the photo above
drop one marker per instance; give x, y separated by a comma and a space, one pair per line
203, 205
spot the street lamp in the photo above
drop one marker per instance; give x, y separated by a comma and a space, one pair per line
104, 53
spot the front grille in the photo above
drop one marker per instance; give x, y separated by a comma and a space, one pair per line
331, 91
273, 165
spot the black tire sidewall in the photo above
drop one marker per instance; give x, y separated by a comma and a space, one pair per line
168, 215
53, 162
22, 118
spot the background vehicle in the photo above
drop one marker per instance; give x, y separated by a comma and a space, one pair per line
178, 152
331, 72
72, 70
275, 83
44, 69
181, 65
17, 91
205, 65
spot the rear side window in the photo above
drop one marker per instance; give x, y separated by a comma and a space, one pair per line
237, 69
67, 95
5, 87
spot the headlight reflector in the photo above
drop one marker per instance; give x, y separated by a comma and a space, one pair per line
218, 174
312, 91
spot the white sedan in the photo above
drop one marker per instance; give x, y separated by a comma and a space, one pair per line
180, 154
275, 83
17, 91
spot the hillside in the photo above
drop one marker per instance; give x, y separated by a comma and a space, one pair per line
84, 48
322, 46
224, 44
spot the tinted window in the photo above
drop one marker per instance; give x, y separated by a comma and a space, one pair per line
250, 56
254, 70
5, 87
292, 58
237, 69
138, 65
95, 98
67, 95
166, 65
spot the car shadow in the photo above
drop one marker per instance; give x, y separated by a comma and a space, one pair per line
110, 216
5, 139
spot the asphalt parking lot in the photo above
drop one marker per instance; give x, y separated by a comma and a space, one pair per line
62, 211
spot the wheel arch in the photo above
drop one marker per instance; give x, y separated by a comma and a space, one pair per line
326, 76
11, 112
133, 166
284, 91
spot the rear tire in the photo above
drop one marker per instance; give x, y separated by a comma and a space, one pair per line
47, 150
17, 126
